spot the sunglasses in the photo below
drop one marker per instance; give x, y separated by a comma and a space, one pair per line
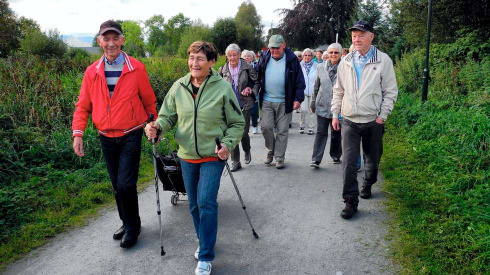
333, 52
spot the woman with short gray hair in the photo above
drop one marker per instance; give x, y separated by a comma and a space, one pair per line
309, 68
245, 84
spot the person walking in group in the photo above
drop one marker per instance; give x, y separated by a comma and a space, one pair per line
249, 57
364, 94
309, 68
282, 90
202, 106
117, 93
318, 56
299, 54
321, 105
243, 80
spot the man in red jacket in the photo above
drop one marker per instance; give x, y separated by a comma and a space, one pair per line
117, 93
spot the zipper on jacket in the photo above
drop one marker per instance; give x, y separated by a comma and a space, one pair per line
196, 105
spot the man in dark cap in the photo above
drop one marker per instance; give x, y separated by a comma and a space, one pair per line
364, 94
117, 93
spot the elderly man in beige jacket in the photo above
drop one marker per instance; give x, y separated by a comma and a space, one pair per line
364, 95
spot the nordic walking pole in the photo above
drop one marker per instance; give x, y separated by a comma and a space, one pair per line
154, 148
218, 143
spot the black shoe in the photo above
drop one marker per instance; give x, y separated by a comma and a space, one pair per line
350, 208
315, 164
119, 233
235, 166
366, 191
130, 238
336, 160
248, 157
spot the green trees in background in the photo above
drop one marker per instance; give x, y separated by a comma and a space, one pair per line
248, 27
133, 39
197, 31
155, 32
45, 45
224, 33
9, 30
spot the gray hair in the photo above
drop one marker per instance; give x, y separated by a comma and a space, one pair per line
335, 46
248, 53
298, 53
233, 47
308, 50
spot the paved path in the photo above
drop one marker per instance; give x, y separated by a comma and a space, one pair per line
295, 211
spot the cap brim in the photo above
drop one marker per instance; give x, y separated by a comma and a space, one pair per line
274, 45
109, 29
359, 28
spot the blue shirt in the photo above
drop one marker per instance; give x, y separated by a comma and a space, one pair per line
359, 63
112, 71
275, 80
119, 60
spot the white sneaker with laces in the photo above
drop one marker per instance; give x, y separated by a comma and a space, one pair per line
255, 130
203, 268
196, 254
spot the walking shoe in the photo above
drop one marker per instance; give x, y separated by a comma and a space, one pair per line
119, 233
235, 166
203, 268
255, 130
366, 191
315, 164
268, 159
301, 130
196, 254
350, 208
248, 157
310, 132
290, 125
336, 160
130, 238
280, 164
359, 169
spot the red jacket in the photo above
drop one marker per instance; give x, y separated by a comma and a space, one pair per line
131, 104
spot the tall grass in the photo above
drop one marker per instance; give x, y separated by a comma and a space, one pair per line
436, 161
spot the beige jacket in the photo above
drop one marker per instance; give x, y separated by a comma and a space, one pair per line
376, 94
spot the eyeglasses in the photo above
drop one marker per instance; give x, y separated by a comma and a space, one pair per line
333, 52
307, 55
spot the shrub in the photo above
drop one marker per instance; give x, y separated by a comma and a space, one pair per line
45, 45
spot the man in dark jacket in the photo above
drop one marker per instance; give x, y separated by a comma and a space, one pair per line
282, 91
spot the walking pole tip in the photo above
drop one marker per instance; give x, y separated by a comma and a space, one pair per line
162, 253
255, 234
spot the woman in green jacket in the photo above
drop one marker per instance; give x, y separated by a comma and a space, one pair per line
202, 106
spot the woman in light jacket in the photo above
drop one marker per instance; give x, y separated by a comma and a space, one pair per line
245, 84
321, 103
309, 68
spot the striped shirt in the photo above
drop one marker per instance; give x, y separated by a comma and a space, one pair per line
113, 71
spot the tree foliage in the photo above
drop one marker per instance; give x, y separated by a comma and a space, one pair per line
155, 32
196, 32
248, 26
46, 45
133, 38
315, 22
372, 11
9, 29
224, 33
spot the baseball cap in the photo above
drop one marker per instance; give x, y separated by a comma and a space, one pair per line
362, 26
275, 41
110, 25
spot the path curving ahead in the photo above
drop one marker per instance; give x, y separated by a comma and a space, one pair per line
295, 211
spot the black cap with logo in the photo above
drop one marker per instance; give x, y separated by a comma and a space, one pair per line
110, 25
362, 26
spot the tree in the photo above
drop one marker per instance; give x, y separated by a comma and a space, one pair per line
314, 22
155, 27
372, 11
197, 31
224, 33
9, 30
27, 25
133, 39
249, 28
46, 45
174, 29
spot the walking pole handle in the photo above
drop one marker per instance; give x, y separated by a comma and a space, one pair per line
150, 119
219, 147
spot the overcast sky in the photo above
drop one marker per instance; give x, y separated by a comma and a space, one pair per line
85, 17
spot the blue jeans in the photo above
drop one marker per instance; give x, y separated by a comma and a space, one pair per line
201, 182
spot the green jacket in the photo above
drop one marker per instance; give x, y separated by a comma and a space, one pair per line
213, 114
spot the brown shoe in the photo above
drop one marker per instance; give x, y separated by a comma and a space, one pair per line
280, 164
268, 159
350, 208
366, 191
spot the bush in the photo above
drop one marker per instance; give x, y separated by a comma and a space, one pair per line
436, 162
45, 45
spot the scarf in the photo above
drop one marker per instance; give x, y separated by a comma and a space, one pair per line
235, 74
308, 66
332, 70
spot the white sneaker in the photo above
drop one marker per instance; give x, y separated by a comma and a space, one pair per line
255, 130
203, 268
196, 254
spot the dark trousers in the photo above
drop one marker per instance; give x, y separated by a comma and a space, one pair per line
254, 114
323, 124
122, 156
371, 134
235, 153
